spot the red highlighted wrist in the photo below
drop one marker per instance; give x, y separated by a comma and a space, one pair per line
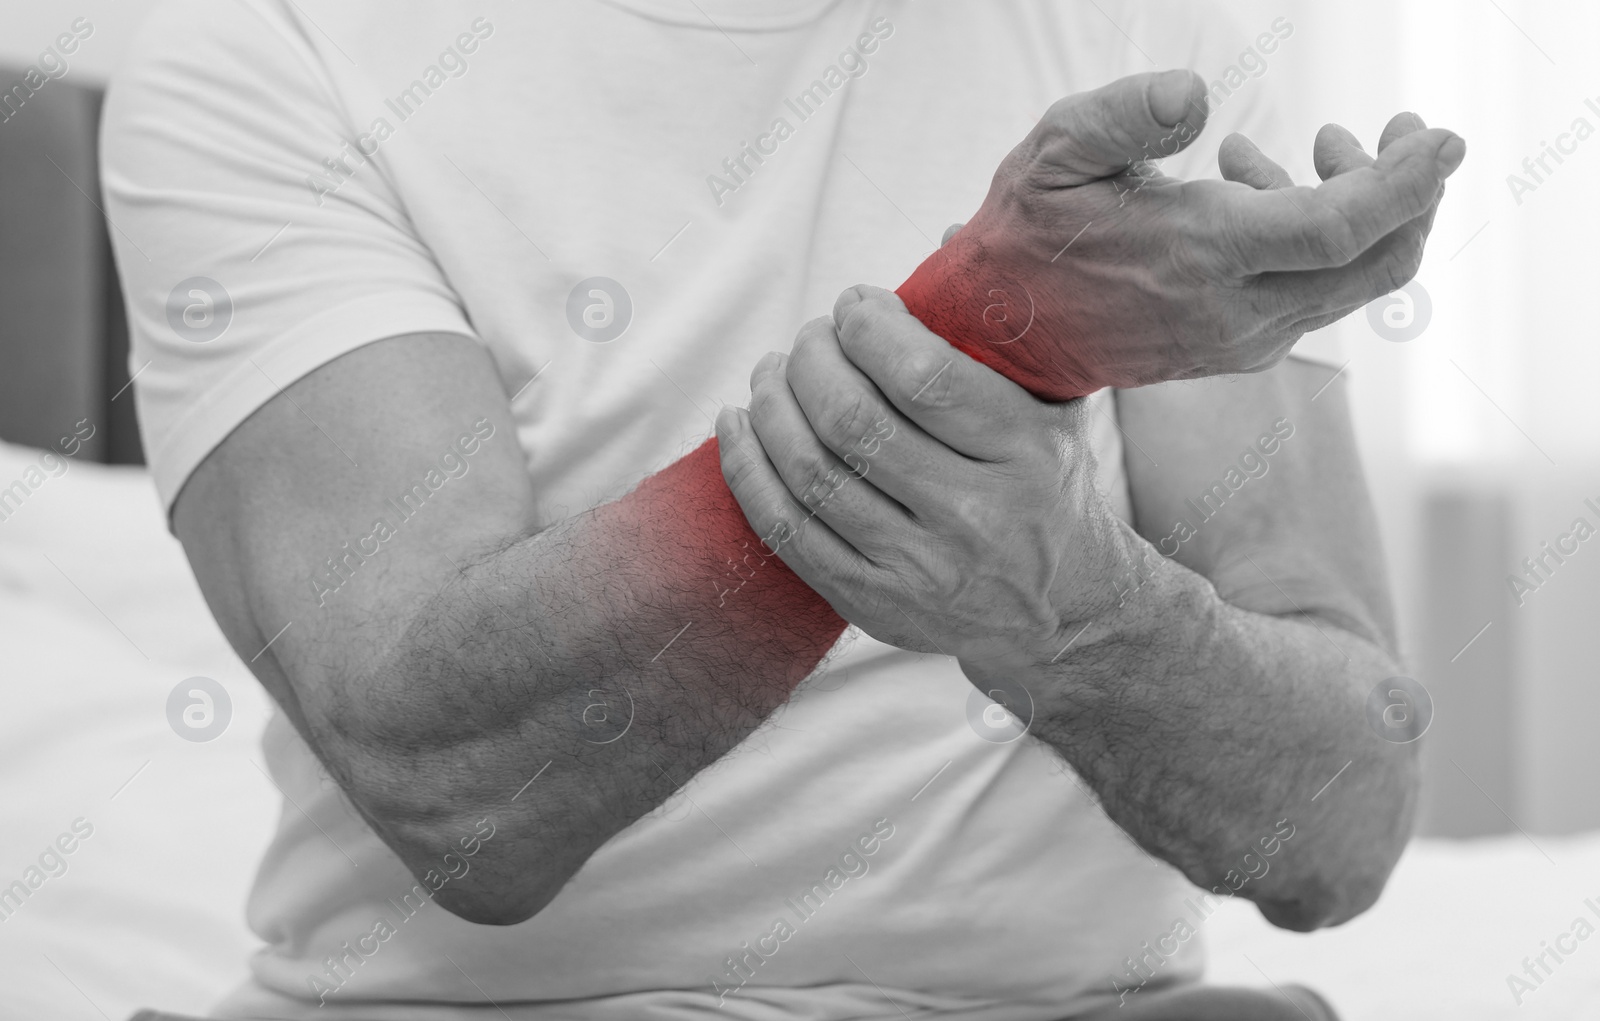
726, 577
996, 313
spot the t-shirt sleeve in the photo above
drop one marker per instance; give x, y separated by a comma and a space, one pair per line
254, 238
1246, 70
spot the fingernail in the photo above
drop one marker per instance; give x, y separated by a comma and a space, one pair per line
1450, 155
1417, 123
848, 300
770, 362
729, 422
1171, 95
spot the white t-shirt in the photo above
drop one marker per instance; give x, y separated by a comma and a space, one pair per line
292, 179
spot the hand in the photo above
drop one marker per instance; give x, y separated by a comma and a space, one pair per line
1091, 268
934, 503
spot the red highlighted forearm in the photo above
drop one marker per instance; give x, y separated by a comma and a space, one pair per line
689, 530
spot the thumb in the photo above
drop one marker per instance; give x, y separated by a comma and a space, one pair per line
1096, 134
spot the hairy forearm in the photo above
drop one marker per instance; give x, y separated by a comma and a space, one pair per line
1208, 731
610, 651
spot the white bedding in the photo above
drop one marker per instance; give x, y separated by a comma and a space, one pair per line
100, 619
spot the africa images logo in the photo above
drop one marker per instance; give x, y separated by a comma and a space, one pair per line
199, 310
198, 709
599, 309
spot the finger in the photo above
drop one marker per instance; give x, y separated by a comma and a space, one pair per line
807, 545
950, 232
1241, 160
856, 422
1336, 151
1386, 266
953, 398
1095, 134
822, 482
1332, 224
1400, 125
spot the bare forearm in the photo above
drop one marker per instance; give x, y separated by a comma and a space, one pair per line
609, 651
460, 645
1207, 731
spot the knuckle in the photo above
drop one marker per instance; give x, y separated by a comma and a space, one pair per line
818, 326
814, 477
925, 376
762, 398
849, 419
812, 333
862, 318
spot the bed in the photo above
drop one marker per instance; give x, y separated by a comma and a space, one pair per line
100, 619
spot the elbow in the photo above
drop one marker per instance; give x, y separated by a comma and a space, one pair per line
1342, 874
494, 875
1337, 888
501, 884
1322, 902
475, 863
1343, 859
484, 869
489, 914
492, 903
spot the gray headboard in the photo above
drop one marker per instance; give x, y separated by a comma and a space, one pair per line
63, 328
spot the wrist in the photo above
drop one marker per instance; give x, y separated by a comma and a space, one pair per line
985, 292
1155, 622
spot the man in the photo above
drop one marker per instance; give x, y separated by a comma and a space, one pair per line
421, 293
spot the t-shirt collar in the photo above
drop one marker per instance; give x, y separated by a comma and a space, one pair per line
731, 15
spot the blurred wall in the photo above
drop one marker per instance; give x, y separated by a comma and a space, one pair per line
32, 25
